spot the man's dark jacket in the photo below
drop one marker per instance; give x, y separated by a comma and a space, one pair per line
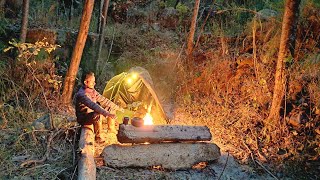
87, 101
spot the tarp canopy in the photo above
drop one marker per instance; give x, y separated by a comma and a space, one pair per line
134, 91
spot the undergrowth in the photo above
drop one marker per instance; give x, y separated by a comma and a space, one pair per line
232, 96
30, 88
236, 119
21, 144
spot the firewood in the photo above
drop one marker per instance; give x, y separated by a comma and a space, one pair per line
167, 155
162, 133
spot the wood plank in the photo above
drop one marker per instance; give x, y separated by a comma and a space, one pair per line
162, 133
168, 155
86, 164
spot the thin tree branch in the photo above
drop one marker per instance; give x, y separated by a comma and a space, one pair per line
19, 87
224, 167
106, 63
266, 169
45, 98
46, 155
203, 24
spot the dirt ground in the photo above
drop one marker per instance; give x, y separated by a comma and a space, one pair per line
225, 167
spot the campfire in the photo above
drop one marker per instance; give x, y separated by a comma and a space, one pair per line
143, 144
148, 120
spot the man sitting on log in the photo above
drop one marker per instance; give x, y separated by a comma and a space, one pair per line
90, 105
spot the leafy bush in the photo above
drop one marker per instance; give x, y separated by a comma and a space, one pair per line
30, 75
29, 53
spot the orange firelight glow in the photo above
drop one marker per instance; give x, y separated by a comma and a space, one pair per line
148, 120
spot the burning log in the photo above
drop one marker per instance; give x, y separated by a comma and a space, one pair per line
86, 164
168, 155
162, 133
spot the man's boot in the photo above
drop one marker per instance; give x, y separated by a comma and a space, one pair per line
111, 125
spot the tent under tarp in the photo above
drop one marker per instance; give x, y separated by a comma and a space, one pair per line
134, 91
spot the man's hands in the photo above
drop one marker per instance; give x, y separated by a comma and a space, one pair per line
121, 109
112, 116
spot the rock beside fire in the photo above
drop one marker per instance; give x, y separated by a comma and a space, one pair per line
167, 155
162, 133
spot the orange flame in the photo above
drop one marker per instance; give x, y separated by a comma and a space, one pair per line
148, 120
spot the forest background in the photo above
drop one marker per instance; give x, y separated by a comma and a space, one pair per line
226, 83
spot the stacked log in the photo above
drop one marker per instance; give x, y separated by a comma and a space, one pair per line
162, 133
171, 147
167, 155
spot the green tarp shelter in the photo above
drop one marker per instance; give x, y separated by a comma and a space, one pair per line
134, 91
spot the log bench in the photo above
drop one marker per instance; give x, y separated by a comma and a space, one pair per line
86, 163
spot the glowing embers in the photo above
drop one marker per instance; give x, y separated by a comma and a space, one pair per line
200, 165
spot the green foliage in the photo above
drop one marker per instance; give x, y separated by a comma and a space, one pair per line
236, 15
54, 13
132, 48
29, 52
277, 5
162, 5
170, 3
3, 23
288, 59
182, 9
316, 3
2, 46
31, 74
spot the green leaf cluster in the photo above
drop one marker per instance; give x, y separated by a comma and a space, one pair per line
31, 52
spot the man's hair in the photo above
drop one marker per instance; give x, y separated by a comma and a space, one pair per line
85, 75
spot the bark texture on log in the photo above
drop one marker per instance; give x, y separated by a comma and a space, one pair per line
168, 155
86, 164
161, 133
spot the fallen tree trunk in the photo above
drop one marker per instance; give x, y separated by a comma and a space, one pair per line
157, 133
168, 155
86, 164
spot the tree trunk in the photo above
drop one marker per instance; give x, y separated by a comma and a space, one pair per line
157, 133
192, 28
168, 155
24, 21
289, 19
77, 52
101, 32
71, 11
100, 16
